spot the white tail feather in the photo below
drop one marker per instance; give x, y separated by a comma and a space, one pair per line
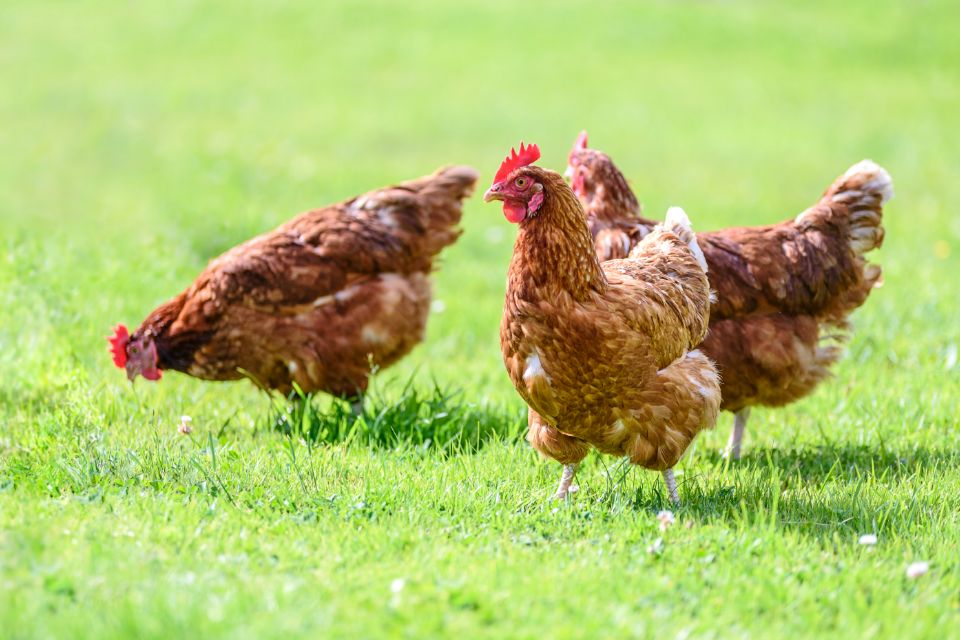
875, 180
678, 222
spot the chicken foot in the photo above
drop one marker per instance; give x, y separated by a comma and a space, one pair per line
565, 488
736, 436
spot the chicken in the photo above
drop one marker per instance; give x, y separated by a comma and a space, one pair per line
784, 291
316, 302
603, 355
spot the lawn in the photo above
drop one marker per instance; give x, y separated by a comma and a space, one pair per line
141, 139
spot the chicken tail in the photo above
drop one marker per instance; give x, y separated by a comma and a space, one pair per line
864, 189
679, 224
441, 196
860, 194
849, 213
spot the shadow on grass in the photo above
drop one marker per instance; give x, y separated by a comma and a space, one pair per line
433, 418
828, 490
821, 492
852, 462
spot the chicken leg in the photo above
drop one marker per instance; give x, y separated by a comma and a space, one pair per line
671, 483
356, 407
736, 436
563, 489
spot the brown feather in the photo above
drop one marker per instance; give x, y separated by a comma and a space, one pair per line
320, 299
602, 353
784, 292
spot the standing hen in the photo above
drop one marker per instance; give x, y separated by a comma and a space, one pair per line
602, 354
315, 302
784, 291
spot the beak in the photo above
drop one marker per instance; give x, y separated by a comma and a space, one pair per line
131, 374
493, 193
568, 174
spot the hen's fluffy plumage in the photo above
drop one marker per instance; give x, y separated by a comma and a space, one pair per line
783, 292
322, 298
603, 354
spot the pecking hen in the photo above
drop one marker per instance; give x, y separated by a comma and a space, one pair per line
784, 291
316, 302
604, 355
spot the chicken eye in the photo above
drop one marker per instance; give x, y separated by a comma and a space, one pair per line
134, 350
521, 183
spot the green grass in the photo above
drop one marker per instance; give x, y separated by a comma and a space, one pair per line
138, 140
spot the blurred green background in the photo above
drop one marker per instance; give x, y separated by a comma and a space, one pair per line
140, 139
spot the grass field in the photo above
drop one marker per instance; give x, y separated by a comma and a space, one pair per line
139, 140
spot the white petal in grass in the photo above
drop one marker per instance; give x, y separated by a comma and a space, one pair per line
867, 540
917, 569
666, 519
397, 585
438, 306
185, 427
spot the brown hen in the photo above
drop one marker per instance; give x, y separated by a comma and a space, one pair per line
316, 302
784, 291
602, 354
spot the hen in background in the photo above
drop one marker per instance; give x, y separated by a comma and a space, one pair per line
602, 354
784, 291
316, 302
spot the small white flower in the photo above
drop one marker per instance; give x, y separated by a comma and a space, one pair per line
573, 488
917, 569
184, 428
438, 306
397, 585
666, 519
868, 540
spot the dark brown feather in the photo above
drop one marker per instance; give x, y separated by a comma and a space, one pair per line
322, 298
783, 292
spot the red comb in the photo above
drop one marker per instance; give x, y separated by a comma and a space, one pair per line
118, 345
527, 155
581, 141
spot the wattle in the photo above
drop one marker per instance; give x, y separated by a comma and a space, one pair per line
514, 212
152, 374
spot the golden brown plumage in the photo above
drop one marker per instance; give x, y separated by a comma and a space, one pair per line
317, 301
602, 354
783, 292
